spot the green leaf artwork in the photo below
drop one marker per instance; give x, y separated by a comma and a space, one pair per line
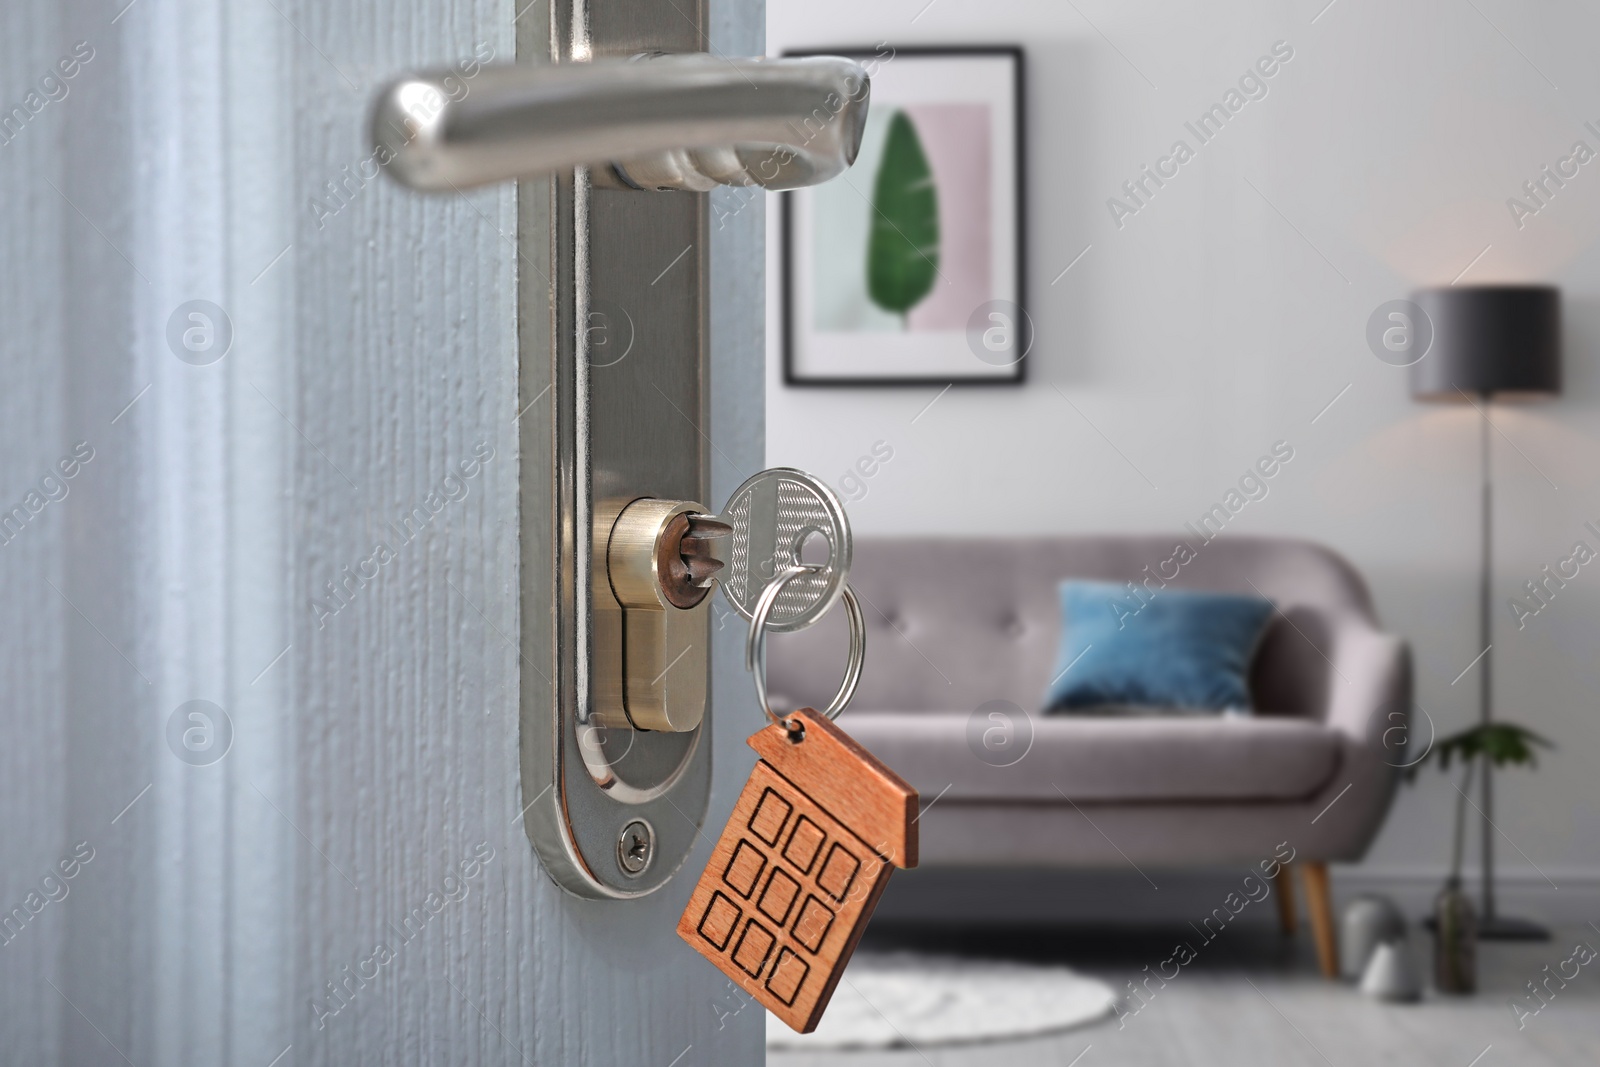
903, 248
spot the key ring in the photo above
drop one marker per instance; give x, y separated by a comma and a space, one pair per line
756, 645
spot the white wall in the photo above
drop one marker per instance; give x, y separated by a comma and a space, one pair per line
1230, 310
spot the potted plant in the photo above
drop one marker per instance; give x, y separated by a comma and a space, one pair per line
1503, 744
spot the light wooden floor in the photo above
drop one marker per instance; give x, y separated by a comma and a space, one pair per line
1256, 1000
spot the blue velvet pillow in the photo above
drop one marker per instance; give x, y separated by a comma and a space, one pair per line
1168, 648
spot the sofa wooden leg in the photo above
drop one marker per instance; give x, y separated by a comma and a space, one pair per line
1319, 906
1283, 883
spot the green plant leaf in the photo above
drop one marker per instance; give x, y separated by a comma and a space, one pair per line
903, 249
1505, 744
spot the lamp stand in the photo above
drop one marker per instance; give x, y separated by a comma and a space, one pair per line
1491, 925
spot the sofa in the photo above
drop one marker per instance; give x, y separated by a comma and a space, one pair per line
955, 625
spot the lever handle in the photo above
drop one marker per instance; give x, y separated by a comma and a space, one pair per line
651, 122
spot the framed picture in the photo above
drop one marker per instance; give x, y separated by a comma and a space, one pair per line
908, 268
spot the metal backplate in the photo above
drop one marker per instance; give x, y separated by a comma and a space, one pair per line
613, 370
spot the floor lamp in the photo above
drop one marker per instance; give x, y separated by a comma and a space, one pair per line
1490, 342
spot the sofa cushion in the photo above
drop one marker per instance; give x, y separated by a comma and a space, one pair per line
1205, 758
1176, 648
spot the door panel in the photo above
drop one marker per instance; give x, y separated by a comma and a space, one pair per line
409, 719
317, 532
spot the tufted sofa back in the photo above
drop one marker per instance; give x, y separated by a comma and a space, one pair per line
953, 623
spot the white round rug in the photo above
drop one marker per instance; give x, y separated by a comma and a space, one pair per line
904, 999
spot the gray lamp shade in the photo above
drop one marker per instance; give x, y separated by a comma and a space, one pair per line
1490, 339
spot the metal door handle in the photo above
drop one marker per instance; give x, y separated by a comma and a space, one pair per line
651, 122
614, 737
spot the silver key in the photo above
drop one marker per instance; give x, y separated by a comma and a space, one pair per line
772, 516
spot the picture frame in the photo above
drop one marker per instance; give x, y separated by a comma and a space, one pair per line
909, 269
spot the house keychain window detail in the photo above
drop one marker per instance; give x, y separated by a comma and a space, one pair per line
816, 832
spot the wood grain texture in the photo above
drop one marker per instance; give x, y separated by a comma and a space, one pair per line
1283, 885
33, 432
786, 895
1319, 907
370, 795
349, 881
406, 706
171, 576
849, 782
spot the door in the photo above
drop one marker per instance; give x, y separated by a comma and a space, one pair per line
263, 675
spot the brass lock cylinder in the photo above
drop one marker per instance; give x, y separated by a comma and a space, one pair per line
658, 564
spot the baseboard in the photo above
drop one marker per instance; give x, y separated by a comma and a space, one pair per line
1010, 896
1562, 896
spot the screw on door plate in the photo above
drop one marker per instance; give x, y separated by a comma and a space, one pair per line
636, 846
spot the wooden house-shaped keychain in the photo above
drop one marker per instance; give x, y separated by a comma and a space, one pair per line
820, 825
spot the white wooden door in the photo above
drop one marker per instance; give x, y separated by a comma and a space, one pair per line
300, 508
